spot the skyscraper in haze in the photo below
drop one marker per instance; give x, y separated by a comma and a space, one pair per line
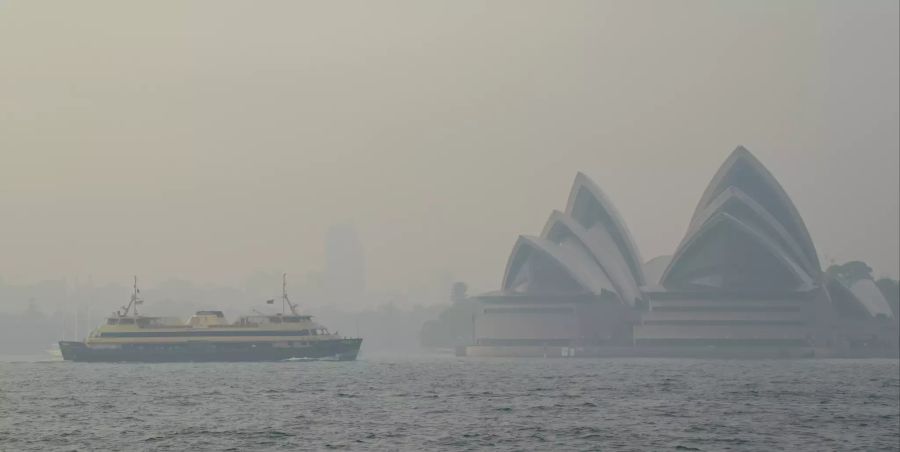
345, 266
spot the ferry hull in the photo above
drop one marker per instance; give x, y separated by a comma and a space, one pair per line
338, 349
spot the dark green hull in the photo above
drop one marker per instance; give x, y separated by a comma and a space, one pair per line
337, 349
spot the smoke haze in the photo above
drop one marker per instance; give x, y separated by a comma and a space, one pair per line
211, 140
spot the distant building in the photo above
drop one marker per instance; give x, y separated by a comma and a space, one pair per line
745, 280
345, 266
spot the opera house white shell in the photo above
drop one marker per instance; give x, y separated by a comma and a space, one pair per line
745, 280
870, 296
576, 283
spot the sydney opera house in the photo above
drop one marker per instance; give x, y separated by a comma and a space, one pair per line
744, 281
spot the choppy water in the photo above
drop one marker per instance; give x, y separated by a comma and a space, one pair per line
445, 403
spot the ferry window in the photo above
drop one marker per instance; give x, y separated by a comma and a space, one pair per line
112, 321
126, 321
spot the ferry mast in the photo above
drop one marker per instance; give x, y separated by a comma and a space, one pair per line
285, 301
135, 300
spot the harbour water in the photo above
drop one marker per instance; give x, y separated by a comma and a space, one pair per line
448, 403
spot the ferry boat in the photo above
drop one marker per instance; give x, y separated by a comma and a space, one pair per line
207, 336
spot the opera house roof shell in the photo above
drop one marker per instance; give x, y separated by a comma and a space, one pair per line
745, 235
861, 299
586, 249
870, 296
745, 278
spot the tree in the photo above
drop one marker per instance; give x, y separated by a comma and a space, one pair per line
458, 291
453, 327
850, 272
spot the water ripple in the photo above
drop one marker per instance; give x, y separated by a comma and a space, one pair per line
453, 404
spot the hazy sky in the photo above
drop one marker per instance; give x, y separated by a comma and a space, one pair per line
207, 140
